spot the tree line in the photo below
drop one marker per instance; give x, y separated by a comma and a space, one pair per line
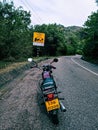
90, 49
16, 36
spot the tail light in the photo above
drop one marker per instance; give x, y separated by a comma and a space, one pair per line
50, 96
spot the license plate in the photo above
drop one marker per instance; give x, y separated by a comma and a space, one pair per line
53, 104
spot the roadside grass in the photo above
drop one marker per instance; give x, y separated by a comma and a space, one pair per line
6, 66
10, 66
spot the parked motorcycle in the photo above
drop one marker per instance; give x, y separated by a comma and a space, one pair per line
49, 91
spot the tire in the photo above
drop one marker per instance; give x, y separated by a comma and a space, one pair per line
54, 117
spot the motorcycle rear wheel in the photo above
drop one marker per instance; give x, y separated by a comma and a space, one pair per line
54, 117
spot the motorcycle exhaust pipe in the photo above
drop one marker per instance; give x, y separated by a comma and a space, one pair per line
62, 107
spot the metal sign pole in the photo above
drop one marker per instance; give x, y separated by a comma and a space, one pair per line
37, 51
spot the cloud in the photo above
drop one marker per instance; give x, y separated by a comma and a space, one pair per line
65, 12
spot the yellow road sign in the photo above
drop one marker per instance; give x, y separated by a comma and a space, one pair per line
38, 39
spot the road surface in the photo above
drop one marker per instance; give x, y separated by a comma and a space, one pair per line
20, 107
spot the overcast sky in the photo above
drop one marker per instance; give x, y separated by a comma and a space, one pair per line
64, 12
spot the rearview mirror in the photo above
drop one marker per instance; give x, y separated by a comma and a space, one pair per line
30, 59
55, 60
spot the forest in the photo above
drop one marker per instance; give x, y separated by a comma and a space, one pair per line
16, 36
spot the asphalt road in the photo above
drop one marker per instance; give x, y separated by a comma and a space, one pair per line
79, 83
20, 107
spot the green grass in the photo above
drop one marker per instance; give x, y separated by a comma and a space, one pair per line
4, 64
6, 67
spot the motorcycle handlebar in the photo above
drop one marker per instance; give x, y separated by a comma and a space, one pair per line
36, 64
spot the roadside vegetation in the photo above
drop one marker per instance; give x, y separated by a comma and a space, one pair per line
16, 34
90, 49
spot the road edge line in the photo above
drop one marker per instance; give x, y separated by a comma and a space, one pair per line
84, 67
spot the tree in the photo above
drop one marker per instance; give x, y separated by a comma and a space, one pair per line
54, 39
97, 1
14, 31
16, 35
71, 45
91, 37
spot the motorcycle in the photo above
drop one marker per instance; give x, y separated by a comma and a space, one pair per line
49, 91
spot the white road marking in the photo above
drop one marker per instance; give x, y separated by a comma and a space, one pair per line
84, 67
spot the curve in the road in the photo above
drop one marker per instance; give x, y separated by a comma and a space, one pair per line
84, 67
